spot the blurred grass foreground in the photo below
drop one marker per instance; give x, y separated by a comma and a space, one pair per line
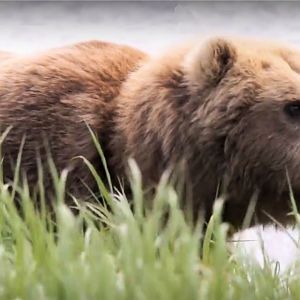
124, 249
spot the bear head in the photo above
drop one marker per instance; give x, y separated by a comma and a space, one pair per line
228, 110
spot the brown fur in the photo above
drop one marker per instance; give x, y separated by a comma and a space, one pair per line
49, 98
219, 109
216, 111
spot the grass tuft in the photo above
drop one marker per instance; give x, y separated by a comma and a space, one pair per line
125, 249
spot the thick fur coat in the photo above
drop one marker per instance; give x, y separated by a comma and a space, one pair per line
222, 112
226, 112
48, 100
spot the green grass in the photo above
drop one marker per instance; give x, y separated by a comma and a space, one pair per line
125, 250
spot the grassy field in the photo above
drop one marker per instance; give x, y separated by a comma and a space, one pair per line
120, 248
135, 252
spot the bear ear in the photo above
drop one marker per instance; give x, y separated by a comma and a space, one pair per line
207, 64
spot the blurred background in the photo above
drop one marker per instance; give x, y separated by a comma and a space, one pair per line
152, 26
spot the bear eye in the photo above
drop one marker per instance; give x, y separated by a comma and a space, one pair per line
293, 109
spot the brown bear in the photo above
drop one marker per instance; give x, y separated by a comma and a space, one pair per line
47, 100
223, 112
227, 113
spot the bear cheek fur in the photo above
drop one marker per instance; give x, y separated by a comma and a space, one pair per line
219, 123
258, 151
166, 125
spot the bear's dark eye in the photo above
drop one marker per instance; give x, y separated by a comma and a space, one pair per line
293, 109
